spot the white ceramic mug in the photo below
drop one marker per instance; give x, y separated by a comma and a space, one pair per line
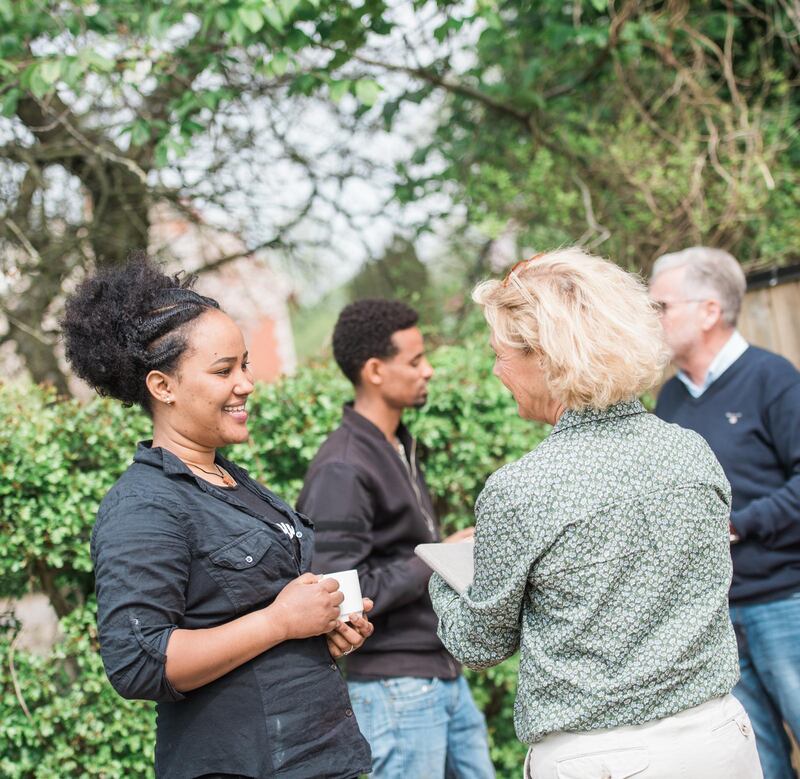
351, 589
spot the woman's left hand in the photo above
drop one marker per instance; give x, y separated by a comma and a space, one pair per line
348, 637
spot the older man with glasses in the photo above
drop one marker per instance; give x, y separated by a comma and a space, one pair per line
745, 402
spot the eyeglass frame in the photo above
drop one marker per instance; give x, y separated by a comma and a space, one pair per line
662, 306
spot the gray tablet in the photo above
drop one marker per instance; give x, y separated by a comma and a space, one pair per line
453, 562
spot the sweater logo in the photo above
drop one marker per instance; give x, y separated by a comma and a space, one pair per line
733, 416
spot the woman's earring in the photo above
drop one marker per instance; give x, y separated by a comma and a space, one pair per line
168, 401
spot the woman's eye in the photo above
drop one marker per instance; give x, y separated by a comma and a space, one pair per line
224, 372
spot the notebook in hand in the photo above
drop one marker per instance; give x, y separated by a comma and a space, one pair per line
453, 562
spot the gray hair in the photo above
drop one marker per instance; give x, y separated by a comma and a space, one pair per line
709, 270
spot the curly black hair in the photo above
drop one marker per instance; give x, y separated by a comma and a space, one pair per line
125, 321
364, 330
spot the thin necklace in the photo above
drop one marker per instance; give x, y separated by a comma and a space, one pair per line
227, 479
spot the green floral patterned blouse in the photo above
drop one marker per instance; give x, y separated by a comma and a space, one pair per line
603, 556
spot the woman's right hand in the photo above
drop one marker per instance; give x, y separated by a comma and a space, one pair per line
307, 607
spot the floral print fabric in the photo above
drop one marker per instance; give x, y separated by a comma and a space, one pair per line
603, 556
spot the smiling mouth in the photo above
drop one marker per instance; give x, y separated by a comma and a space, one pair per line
239, 408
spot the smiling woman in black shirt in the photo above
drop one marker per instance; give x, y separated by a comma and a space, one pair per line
204, 601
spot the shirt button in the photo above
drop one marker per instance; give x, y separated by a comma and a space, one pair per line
299, 535
248, 559
348, 712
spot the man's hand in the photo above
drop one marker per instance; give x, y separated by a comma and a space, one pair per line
460, 535
347, 638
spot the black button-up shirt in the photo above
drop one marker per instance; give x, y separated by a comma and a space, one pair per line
171, 551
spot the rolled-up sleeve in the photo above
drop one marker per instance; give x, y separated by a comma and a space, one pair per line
481, 627
142, 560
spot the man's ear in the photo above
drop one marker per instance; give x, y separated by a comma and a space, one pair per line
160, 386
372, 372
712, 314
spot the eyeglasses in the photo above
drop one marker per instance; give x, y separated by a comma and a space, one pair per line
513, 276
662, 306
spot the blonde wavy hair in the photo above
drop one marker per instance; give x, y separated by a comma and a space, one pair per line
591, 323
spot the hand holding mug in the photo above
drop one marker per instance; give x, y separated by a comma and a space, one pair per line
346, 638
307, 606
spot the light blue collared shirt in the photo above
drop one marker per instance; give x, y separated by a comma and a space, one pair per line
726, 357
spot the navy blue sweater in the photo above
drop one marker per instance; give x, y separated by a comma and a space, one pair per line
750, 417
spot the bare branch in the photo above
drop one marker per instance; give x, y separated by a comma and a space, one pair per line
219, 262
37, 335
454, 87
600, 232
23, 239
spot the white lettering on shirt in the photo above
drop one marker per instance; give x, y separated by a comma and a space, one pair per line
287, 528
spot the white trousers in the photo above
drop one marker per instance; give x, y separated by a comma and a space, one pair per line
712, 741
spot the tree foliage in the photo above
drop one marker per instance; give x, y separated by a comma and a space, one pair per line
112, 107
636, 126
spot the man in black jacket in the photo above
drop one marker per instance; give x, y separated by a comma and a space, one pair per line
368, 499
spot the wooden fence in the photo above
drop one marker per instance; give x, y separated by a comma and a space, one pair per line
770, 315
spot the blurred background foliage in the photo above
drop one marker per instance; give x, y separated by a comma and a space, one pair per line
328, 131
59, 715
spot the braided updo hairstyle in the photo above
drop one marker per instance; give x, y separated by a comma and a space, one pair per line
123, 322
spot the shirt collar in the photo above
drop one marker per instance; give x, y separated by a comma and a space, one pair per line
732, 350
572, 418
161, 458
171, 464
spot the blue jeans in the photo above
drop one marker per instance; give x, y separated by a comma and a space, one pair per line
422, 729
768, 635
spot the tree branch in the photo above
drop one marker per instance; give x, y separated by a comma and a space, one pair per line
454, 87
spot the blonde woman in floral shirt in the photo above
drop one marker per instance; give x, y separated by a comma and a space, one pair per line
602, 555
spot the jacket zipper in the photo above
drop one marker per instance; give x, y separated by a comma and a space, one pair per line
411, 469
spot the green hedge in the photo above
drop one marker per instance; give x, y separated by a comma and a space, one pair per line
58, 458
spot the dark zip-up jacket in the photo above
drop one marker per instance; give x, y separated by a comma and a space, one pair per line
171, 551
370, 508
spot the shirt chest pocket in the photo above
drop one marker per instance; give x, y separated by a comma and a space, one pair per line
250, 569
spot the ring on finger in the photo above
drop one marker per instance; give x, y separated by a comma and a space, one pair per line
352, 648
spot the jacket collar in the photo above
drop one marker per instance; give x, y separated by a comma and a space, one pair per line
352, 419
572, 418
